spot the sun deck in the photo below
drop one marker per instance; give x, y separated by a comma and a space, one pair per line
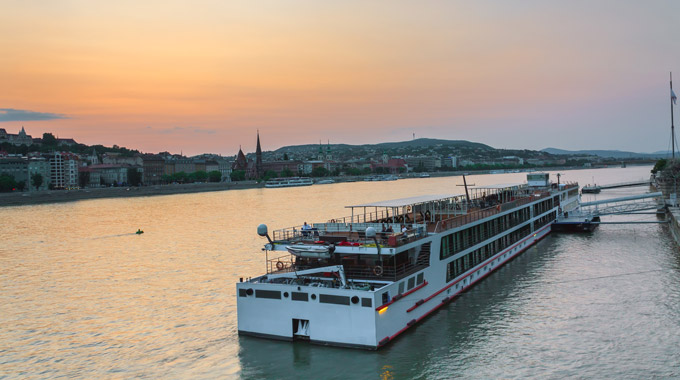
402, 221
397, 223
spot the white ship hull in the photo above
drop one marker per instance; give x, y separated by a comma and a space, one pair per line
361, 325
286, 305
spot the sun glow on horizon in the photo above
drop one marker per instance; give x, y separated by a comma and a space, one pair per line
168, 75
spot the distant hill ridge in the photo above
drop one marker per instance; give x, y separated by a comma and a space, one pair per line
607, 153
422, 142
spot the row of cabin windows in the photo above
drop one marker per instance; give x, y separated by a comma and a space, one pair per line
464, 239
463, 264
543, 206
546, 219
302, 296
573, 192
411, 282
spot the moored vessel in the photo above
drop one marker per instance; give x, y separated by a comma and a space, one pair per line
591, 189
363, 279
289, 182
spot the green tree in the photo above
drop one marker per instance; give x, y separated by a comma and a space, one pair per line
269, 174
285, 156
37, 180
83, 179
353, 171
199, 176
320, 171
660, 165
238, 175
134, 177
180, 177
287, 173
420, 168
49, 139
380, 170
7, 183
214, 176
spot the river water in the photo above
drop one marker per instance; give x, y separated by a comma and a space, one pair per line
82, 296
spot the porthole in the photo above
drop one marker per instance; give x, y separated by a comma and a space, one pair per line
249, 292
285, 294
313, 296
355, 300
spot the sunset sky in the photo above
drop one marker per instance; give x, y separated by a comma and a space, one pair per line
203, 76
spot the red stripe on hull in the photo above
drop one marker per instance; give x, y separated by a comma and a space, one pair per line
390, 338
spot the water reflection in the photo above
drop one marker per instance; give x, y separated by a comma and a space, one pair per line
83, 296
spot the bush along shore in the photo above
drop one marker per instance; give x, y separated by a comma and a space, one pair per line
53, 196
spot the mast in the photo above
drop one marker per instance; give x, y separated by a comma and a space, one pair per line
672, 124
467, 195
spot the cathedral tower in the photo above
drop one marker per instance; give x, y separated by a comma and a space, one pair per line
258, 157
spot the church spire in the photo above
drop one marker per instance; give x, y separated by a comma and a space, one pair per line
258, 157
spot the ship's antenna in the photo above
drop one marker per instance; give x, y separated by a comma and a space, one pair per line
467, 195
673, 100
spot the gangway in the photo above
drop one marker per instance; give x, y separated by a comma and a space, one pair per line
623, 205
626, 184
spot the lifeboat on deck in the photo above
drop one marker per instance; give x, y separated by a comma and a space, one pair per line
311, 251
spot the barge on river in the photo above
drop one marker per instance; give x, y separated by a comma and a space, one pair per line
361, 280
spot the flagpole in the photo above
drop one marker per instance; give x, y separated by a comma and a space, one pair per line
672, 124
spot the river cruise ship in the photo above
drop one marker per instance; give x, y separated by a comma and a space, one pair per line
289, 182
363, 279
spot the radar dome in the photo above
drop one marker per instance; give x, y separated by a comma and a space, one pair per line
370, 232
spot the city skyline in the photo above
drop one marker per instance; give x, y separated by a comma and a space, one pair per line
203, 78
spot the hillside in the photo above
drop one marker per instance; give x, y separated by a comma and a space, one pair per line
412, 147
606, 153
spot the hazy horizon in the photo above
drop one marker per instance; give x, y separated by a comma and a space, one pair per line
202, 77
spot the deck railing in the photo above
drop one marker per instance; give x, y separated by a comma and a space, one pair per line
462, 220
359, 223
355, 233
281, 264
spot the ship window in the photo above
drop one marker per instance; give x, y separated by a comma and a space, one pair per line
401, 287
366, 302
273, 294
411, 283
385, 297
298, 296
420, 279
242, 293
338, 300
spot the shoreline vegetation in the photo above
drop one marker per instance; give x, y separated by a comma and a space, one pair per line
59, 196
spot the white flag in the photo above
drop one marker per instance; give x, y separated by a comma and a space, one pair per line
674, 98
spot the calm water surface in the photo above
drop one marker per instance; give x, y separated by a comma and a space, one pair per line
82, 296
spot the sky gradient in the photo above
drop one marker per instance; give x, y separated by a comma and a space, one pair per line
203, 76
